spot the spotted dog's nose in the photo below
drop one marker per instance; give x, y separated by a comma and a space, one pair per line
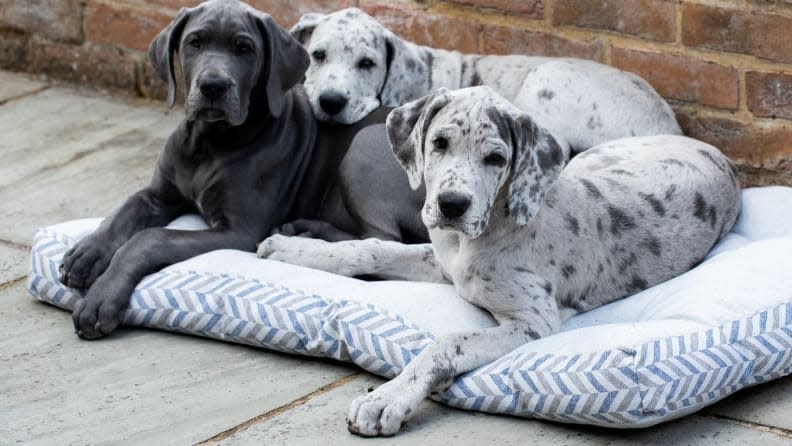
332, 103
453, 204
214, 88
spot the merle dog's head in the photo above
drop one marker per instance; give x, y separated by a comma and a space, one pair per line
357, 65
231, 55
473, 148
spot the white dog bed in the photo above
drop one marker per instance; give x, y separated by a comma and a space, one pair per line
658, 355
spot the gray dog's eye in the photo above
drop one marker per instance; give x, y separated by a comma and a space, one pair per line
495, 159
440, 144
243, 47
195, 43
365, 64
318, 55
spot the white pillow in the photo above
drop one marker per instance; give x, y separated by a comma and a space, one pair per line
655, 356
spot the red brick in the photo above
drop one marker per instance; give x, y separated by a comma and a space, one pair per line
123, 25
769, 94
56, 19
683, 78
13, 50
89, 63
757, 33
533, 9
287, 13
650, 19
433, 30
507, 40
763, 152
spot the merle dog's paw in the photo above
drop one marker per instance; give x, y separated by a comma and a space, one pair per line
382, 412
98, 313
85, 262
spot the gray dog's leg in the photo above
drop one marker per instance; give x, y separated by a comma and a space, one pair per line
392, 260
100, 311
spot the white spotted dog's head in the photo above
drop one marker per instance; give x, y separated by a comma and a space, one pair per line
356, 65
474, 151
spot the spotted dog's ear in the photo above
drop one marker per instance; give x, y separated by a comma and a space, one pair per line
407, 126
537, 161
285, 61
163, 48
403, 65
303, 30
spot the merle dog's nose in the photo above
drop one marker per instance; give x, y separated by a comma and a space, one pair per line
214, 88
453, 204
332, 103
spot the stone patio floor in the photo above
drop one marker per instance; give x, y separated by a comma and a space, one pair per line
67, 153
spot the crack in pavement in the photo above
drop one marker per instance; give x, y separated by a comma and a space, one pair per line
752, 425
25, 95
279, 410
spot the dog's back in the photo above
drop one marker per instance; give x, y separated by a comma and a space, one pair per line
633, 213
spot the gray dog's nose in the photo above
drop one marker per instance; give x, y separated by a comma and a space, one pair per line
214, 88
332, 103
453, 204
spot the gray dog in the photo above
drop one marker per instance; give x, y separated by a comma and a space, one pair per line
525, 234
249, 157
358, 64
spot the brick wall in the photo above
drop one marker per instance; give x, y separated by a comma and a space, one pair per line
726, 65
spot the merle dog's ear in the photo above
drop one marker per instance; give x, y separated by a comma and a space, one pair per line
164, 46
284, 64
403, 67
407, 126
537, 161
303, 30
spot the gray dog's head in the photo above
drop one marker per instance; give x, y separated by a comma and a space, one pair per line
356, 65
474, 150
230, 54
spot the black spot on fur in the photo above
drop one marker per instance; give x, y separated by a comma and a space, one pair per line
638, 283
653, 244
568, 270
572, 224
592, 190
546, 94
669, 194
699, 207
655, 203
620, 221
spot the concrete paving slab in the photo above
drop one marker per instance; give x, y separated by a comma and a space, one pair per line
769, 404
109, 160
13, 263
15, 85
141, 387
321, 421
57, 126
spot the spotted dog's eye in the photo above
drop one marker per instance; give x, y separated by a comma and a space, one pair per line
318, 55
365, 64
495, 159
440, 144
194, 43
243, 47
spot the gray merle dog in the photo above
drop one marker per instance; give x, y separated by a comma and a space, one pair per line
524, 233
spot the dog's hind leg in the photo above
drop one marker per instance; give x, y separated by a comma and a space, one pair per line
368, 257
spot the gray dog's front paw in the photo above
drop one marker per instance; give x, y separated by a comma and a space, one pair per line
99, 313
85, 262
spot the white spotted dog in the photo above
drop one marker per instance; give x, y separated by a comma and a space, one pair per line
358, 65
524, 233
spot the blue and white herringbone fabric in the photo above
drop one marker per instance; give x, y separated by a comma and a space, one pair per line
628, 387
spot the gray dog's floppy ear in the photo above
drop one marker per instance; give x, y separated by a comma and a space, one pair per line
164, 46
407, 126
403, 66
285, 61
305, 27
537, 161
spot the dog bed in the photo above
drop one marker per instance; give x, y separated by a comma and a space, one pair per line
658, 355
